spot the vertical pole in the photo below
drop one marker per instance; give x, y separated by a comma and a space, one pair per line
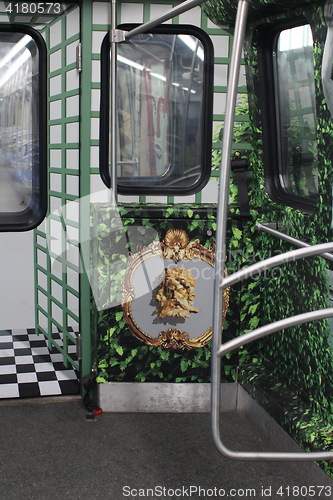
222, 211
85, 141
113, 102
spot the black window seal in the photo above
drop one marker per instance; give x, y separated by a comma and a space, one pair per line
30, 218
207, 122
267, 42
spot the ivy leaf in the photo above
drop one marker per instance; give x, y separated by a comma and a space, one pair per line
253, 308
119, 315
254, 322
111, 331
123, 365
183, 365
165, 355
237, 233
119, 350
114, 362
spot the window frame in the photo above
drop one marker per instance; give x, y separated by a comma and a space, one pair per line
267, 44
207, 118
33, 215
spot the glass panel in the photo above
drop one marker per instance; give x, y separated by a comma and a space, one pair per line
298, 160
160, 110
18, 139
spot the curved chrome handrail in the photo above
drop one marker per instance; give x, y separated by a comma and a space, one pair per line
277, 326
277, 260
222, 283
256, 334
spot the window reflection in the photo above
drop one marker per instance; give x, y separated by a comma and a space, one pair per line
161, 111
17, 140
298, 162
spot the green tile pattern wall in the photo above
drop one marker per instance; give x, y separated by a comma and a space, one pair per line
56, 240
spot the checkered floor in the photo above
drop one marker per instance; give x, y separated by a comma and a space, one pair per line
29, 369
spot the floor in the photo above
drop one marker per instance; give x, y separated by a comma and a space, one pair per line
50, 450
29, 369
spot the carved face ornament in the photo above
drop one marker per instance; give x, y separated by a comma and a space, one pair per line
175, 243
176, 295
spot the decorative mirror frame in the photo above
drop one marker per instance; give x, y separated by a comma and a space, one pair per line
175, 246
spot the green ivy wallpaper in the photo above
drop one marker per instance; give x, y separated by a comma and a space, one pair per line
225, 11
120, 356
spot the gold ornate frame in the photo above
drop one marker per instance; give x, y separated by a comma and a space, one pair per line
175, 246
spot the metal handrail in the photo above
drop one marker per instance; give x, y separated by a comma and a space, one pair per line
277, 260
221, 282
290, 239
277, 326
256, 334
171, 13
245, 339
113, 106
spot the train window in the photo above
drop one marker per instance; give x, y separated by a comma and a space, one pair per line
289, 119
164, 102
22, 128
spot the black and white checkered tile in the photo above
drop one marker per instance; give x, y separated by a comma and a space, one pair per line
29, 369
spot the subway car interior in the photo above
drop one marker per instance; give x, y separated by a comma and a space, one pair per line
166, 237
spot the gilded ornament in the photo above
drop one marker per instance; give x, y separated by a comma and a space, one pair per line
176, 295
174, 339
